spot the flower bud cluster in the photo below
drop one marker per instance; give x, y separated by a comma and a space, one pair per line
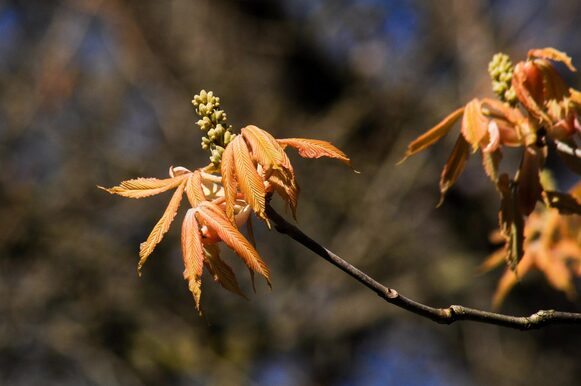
500, 69
214, 122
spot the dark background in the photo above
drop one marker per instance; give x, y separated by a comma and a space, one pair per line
95, 92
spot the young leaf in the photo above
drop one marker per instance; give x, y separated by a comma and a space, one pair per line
490, 163
552, 54
214, 218
521, 88
314, 148
509, 279
265, 149
565, 203
433, 135
193, 255
161, 227
251, 185
229, 180
220, 270
454, 166
144, 187
511, 221
474, 124
194, 190
287, 189
529, 184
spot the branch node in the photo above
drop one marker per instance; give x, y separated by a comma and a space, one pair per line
391, 293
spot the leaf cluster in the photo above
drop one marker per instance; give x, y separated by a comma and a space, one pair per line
536, 112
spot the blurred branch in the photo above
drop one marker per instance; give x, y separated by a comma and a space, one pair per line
447, 315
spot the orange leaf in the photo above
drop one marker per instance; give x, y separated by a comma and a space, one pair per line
193, 255
521, 85
265, 149
454, 166
552, 54
511, 221
314, 148
194, 190
529, 183
509, 279
229, 180
490, 162
474, 124
433, 135
220, 270
251, 185
556, 273
287, 189
565, 203
144, 187
161, 227
214, 218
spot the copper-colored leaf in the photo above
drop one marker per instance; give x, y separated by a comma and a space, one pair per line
529, 183
454, 166
556, 272
144, 187
493, 260
194, 190
474, 124
229, 180
265, 149
220, 270
193, 255
523, 83
490, 163
287, 189
563, 202
511, 221
509, 279
251, 185
214, 218
552, 54
315, 148
433, 135
161, 227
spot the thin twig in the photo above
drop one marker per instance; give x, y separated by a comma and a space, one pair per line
447, 315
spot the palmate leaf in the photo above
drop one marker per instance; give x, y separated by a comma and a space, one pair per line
529, 187
287, 189
251, 185
433, 135
161, 227
520, 86
454, 166
565, 203
511, 221
221, 272
265, 149
194, 190
490, 163
144, 187
229, 180
552, 54
474, 124
215, 218
509, 279
315, 148
193, 255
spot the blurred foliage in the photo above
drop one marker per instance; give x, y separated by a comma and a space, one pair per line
96, 91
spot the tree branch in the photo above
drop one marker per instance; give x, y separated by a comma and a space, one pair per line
447, 315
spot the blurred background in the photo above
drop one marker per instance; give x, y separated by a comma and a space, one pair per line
93, 92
